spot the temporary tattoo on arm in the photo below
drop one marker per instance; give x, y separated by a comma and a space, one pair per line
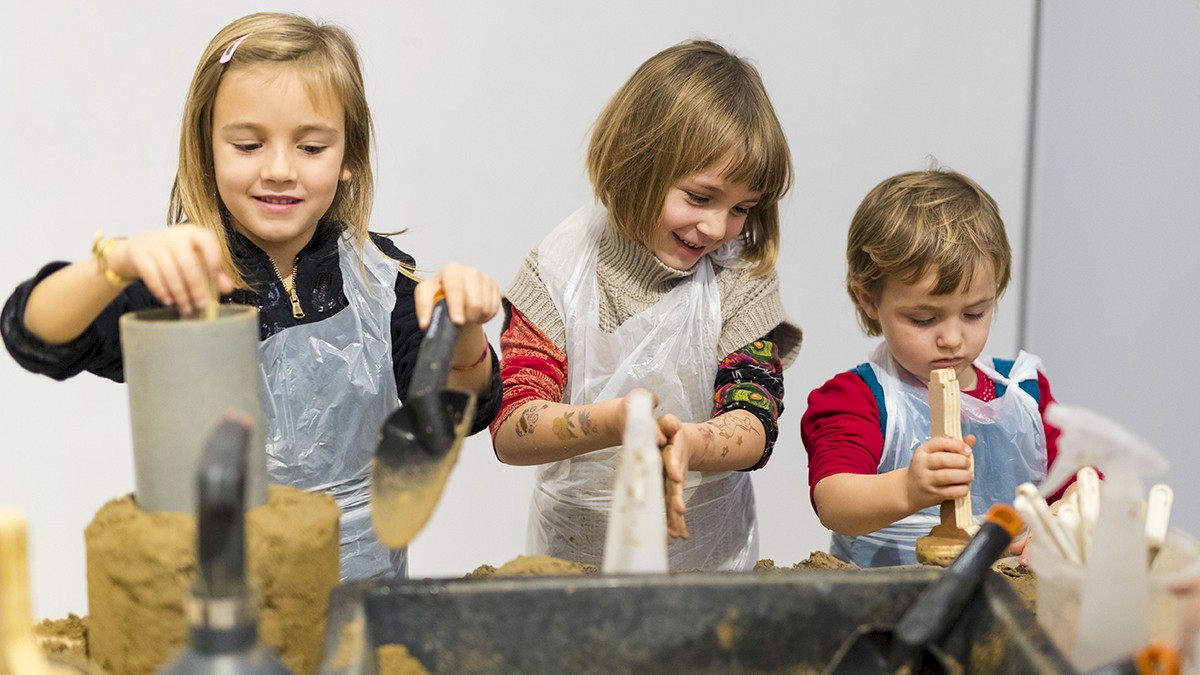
586, 425
529, 417
562, 427
731, 427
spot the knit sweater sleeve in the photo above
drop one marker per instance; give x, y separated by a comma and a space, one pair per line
751, 307
840, 430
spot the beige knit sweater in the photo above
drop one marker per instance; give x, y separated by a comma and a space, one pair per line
631, 279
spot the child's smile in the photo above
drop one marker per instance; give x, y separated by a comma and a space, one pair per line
702, 211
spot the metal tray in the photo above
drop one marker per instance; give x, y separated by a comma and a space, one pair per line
777, 622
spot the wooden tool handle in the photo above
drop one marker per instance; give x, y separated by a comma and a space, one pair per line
19, 653
945, 419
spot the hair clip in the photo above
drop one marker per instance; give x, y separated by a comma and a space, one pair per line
232, 48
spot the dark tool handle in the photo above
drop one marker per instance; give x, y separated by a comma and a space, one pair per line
220, 514
1153, 659
940, 605
434, 428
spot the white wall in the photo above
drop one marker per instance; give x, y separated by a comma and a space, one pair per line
482, 111
1115, 228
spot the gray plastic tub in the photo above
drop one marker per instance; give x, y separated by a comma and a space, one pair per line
778, 622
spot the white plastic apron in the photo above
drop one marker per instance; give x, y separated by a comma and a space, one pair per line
669, 349
330, 385
1010, 449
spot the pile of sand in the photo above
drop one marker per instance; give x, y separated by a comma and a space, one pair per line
141, 565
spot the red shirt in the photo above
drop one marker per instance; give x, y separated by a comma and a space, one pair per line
840, 428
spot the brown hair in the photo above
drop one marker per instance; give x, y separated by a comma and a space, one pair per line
919, 221
327, 58
685, 109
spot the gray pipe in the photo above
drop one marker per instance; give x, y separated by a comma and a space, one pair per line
184, 375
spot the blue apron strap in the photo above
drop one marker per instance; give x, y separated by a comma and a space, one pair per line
867, 374
1004, 367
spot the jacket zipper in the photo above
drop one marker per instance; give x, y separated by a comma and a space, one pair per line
297, 311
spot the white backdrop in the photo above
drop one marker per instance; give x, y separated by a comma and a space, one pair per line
482, 111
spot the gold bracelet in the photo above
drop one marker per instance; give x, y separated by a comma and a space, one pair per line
482, 356
100, 253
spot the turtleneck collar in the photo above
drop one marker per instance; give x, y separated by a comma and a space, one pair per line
623, 260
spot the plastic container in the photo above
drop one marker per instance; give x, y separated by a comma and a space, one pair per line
694, 623
1060, 592
183, 376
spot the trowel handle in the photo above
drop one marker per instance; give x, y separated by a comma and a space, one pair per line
220, 510
940, 605
1153, 659
433, 358
434, 426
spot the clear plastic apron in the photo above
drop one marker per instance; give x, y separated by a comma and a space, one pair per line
1010, 449
329, 388
670, 349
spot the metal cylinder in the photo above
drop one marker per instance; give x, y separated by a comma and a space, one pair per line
183, 376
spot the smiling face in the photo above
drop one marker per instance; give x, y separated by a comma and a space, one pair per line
925, 332
277, 152
701, 212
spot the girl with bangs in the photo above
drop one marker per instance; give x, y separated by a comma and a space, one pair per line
667, 284
270, 204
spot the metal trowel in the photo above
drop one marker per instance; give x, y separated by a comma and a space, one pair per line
419, 442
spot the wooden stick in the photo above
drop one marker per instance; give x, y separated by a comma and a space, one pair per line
19, 653
212, 308
947, 539
1158, 517
945, 419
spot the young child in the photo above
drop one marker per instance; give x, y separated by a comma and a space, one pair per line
667, 285
928, 260
270, 203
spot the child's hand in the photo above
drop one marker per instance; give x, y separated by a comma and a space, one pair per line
939, 471
175, 263
471, 296
676, 454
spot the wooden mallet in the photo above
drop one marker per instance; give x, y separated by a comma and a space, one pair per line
946, 540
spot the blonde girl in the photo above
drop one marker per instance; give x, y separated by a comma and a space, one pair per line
270, 204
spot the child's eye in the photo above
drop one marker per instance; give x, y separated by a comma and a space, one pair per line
921, 322
741, 210
974, 316
698, 200
312, 149
247, 147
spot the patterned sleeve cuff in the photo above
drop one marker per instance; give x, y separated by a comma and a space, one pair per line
751, 379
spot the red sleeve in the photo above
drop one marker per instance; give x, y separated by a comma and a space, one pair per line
532, 368
1045, 398
840, 430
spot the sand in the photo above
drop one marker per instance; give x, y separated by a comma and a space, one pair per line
140, 567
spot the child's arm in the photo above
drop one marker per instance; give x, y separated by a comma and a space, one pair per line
533, 425
857, 504
842, 435
175, 264
542, 431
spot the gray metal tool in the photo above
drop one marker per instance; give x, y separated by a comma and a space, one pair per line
221, 609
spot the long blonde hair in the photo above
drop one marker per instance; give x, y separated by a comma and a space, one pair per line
685, 109
922, 221
326, 57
